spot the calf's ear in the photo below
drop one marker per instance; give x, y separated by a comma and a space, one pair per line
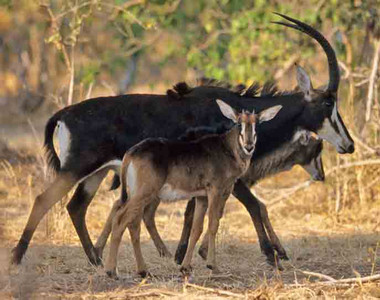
227, 110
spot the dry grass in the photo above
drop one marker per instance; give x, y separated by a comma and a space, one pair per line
340, 245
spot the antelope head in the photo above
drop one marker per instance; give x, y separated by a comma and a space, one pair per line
247, 123
321, 111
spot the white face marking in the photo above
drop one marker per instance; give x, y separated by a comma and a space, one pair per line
242, 136
64, 139
131, 179
329, 133
335, 118
167, 193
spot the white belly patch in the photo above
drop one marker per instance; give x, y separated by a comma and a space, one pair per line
64, 139
167, 193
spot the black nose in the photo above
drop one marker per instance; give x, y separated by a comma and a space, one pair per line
319, 177
351, 148
249, 147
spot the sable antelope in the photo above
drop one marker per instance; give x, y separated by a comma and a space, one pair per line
174, 170
96, 133
303, 150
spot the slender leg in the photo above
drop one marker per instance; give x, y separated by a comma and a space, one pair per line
134, 230
77, 208
203, 248
272, 235
216, 203
102, 239
196, 231
126, 216
183, 242
149, 213
59, 188
244, 195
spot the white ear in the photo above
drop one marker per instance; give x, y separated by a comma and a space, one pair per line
302, 136
304, 82
269, 113
227, 110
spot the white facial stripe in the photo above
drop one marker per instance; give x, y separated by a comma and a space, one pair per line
338, 122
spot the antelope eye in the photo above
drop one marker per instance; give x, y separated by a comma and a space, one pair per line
328, 103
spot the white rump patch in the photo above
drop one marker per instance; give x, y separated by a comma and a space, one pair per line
167, 193
131, 178
64, 139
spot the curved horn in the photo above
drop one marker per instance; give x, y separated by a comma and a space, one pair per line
334, 76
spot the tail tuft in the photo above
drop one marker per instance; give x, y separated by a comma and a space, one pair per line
115, 182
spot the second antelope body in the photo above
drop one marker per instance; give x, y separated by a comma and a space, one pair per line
173, 170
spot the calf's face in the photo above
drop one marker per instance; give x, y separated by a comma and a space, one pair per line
247, 122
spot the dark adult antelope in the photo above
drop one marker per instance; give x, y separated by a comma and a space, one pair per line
173, 170
303, 150
97, 132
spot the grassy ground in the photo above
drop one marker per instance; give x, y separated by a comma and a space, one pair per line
316, 239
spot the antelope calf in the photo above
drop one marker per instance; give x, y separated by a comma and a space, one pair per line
303, 150
174, 170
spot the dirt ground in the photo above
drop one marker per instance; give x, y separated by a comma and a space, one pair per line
340, 246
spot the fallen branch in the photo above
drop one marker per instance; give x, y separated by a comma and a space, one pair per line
319, 275
372, 79
215, 291
337, 282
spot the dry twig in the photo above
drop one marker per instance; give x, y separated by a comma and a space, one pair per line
215, 291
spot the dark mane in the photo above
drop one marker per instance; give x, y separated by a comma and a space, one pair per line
268, 89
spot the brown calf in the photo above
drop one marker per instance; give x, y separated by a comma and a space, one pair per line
173, 170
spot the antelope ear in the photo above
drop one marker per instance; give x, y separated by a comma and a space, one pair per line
304, 82
269, 113
302, 136
227, 110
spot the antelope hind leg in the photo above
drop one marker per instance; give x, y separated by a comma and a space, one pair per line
77, 208
57, 189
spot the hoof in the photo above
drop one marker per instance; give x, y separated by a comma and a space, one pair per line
275, 263
180, 253
283, 256
97, 262
165, 253
144, 274
203, 252
215, 270
112, 274
16, 257
99, 253
281, 253
186, 271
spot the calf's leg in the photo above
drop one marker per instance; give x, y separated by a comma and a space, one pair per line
149, 215
187, 225
196, 231
216, 203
